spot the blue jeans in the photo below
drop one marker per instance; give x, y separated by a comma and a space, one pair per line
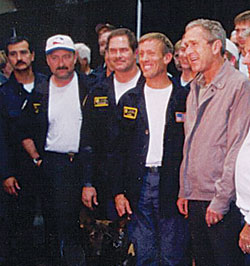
157, 240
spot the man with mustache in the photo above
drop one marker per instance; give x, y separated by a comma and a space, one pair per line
20, 196
56, 148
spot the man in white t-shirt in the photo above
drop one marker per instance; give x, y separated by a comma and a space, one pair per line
150, 141
101, 120
56, 149
242, 172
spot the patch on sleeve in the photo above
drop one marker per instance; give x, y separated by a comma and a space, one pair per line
101, 101
130, 112
36, 107
180, 117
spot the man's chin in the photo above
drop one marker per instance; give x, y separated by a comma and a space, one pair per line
65, 76
22, 69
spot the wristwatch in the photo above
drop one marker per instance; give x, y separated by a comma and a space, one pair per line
36, 160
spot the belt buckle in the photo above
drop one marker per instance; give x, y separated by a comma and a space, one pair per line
153, 169
71, 156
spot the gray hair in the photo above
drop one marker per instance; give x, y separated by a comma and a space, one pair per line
83, 51
214, 29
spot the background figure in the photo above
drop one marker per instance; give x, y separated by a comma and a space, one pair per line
233, 37
177, 47
232, 53
5, 68
105, 68
241, 23
246, 60
83, 57
187, 75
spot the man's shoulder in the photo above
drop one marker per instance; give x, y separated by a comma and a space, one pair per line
9, 86
230, 77
40, 76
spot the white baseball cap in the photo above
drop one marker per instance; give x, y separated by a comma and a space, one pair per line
232, 48
59, 41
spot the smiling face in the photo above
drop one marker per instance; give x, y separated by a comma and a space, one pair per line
152, 61
198, 49
120, 54
246, 60
62, 63
20, 56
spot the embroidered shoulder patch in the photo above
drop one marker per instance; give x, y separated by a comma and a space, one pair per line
101, 101
36, 107
180, 117
130, 112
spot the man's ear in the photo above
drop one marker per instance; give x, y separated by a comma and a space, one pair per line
75, 57
167, 58
33, 56
216, 47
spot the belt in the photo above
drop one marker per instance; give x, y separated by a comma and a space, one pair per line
153, 169
69, 155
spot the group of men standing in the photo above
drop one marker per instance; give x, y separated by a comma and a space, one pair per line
120, 145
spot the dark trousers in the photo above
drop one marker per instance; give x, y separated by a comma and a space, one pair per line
16, 243
216, 245
157, 241
61, 202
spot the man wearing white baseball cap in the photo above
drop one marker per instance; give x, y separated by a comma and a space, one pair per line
59, 114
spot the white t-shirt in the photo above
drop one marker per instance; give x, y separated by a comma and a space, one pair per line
183, 83
65, 118
242, 179
156, 106
122, 87
243, 67
29, 87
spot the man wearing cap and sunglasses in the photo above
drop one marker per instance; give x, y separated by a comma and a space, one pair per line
57, 114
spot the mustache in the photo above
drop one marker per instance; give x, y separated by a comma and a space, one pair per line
63, 67
20, 62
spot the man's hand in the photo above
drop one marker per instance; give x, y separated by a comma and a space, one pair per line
11, 186
122, 205
244, 241
182, 205
212, 217
89, 196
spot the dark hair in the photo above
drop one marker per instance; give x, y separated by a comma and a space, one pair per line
121, 32
17, 39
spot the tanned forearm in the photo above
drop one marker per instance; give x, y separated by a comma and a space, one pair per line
30, 147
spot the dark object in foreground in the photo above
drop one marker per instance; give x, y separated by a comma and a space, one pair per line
105, 242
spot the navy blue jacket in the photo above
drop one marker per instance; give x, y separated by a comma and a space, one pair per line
13, 102
134, 142
101, 130
5, 169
